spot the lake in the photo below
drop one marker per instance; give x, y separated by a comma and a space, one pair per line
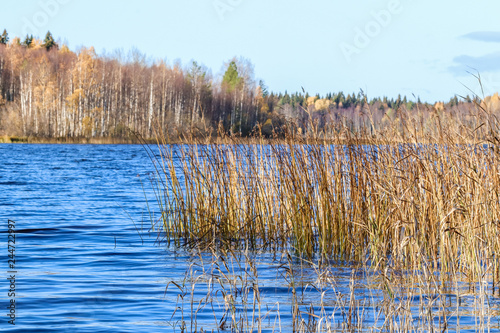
85, 260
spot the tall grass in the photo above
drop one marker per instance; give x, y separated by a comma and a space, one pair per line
419, 190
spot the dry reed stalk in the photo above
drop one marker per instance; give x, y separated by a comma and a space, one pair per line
344, 201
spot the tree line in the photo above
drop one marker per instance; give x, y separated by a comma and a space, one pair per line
48, 90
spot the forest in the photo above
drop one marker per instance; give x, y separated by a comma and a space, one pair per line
50, 91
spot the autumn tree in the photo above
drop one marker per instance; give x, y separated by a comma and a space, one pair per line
63, 93
239, 87
197, 76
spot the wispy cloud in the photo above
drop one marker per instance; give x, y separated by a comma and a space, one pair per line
486, 63
484, 36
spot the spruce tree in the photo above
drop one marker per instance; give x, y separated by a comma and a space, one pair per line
264, 90
49, 42
28, 40
4, 38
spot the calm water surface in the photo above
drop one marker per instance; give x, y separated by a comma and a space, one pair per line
83, 266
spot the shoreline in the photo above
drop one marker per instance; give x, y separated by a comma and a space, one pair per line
5, 139
95, 141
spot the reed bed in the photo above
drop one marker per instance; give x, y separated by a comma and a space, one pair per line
414, 208
395, 197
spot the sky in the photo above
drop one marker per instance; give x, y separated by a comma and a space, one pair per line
428, 49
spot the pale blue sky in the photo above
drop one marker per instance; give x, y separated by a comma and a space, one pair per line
384, 47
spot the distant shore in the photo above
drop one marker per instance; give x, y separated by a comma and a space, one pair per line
34, 140
228, 140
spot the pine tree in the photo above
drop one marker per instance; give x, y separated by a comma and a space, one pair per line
49, 42
4, 38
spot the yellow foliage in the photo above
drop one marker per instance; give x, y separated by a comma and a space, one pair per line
36, 44
87, 125
97, 111
311, 100
267, 128
74, 98
321, 104
64, 49
491, 103
84, 72
15, 41
439, 106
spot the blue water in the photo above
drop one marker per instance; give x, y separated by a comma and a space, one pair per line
82, 265
86, 261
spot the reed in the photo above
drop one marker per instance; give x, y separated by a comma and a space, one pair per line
410, 193
225, 290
